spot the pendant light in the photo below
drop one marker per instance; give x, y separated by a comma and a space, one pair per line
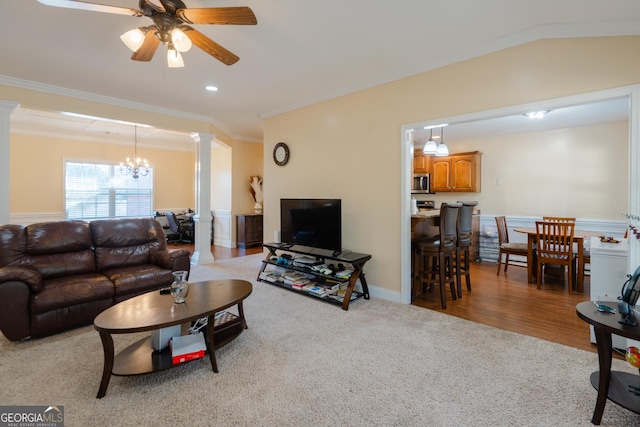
430, 147
442, 150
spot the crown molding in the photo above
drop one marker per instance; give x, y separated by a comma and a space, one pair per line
86, 96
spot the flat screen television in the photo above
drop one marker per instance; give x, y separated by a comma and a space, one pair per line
312, 222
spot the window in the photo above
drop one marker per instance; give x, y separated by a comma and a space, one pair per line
95, 190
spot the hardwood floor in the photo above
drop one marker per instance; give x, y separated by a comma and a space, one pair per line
220, 252
507, 302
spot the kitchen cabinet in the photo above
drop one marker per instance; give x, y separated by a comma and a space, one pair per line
459, 172
420, 161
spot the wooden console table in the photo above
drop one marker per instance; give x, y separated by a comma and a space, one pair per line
610, 385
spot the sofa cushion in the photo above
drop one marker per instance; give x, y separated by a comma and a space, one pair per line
68, 317
58, 249
129, 281
126, 242
63, 264
126, 256
71, 290
57, 237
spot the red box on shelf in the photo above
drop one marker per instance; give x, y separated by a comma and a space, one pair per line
187, 347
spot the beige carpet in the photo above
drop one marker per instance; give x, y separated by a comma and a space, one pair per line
307, 363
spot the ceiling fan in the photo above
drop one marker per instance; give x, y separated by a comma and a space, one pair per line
170, 27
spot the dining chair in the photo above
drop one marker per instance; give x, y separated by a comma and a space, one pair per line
555, 247
559, 219
586, 250
434, 263
505, 247
463, 244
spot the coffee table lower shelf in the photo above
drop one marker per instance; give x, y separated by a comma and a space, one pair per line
619, 389
140, 357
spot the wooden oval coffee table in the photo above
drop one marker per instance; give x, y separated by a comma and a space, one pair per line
153, 310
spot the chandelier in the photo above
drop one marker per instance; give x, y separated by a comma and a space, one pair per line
135, 166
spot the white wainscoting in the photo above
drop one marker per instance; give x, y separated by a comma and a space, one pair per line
27, 218
222, 228
489, 231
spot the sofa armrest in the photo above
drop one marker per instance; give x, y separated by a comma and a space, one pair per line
28, 275
174, 260
17, 284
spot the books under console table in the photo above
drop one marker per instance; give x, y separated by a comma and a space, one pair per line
307, 270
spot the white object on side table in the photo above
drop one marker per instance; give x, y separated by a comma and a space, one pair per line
609, 269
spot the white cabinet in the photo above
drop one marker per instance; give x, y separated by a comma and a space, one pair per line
609, 268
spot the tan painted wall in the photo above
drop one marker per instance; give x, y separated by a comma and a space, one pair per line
350, 147
221, 178
174, 173
37, 167
247, 162
577, 172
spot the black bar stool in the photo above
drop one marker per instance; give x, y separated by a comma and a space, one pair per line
434, 257
463, 244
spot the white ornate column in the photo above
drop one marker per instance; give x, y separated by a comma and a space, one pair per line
6, 108
202, 219
634, 174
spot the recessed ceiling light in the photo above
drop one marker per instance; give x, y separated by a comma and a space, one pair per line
536, 114
211, 88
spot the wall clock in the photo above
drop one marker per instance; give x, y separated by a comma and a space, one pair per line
281, 154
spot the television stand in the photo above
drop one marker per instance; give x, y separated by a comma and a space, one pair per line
279, 268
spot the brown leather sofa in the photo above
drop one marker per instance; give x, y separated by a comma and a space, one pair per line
60, 275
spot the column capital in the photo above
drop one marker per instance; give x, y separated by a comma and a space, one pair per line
203, 136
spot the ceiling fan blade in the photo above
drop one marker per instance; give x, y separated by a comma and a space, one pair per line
209, 46
156, 4
218, 15
148, 48
93, 7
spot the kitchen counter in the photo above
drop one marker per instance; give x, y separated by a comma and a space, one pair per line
425, 223
427, 214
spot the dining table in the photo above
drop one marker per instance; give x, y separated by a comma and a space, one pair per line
578, 238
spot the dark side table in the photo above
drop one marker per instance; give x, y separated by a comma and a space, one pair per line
610, 385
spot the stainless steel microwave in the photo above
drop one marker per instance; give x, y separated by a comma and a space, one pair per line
421, 183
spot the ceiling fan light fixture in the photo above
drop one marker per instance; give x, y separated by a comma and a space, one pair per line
174, 59
181, 42
133, 39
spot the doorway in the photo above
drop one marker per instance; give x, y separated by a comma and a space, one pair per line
632, 93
